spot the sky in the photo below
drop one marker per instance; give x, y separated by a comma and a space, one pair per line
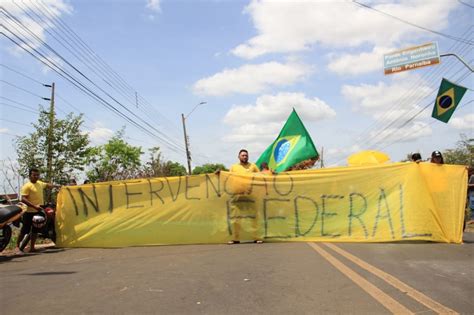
252, 62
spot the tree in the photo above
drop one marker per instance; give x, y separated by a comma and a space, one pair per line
156, 166
70, 147
171, 168
208, 168
463, 154
115, 160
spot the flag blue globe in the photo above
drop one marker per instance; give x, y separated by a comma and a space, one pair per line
281, 150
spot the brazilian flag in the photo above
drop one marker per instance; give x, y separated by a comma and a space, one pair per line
449, 96
292, 146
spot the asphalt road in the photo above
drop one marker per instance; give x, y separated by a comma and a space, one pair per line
269, 278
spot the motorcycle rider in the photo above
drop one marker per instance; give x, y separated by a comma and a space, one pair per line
32, 196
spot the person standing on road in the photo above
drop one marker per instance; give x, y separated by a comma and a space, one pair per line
243, 167
32, 194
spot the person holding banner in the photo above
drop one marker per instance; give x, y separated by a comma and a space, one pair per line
243, 167
437, 157
266, 170
416, 157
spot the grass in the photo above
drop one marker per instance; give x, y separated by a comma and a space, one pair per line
16, 233
12, 244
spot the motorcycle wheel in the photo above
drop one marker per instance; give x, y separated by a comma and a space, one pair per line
5, 237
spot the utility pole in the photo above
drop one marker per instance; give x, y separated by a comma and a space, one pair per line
322, 157
186, 139
186, 143
49, 165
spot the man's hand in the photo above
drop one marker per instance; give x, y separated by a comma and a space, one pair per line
53, 186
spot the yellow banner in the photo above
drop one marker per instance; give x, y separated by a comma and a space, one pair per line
394, 202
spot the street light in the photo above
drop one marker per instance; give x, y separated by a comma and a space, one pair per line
186, 140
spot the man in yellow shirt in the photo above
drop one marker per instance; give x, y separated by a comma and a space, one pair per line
244, 166
32, 194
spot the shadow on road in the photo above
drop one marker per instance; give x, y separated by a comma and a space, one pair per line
40, 251
51, 273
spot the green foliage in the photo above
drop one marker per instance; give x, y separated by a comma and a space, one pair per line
156, 166
70, 147
174, 169
208, 168
463, 154
114, 160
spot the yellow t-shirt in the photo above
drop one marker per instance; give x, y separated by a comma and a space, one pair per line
244, 168
34, 193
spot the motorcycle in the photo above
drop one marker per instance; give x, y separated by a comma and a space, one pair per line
9, 215
43, 224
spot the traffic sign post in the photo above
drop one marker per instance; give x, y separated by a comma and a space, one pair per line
411, 58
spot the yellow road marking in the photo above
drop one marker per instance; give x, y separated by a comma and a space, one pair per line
416, 295
388, 302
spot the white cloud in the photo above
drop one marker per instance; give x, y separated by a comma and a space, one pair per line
3, 130
277, 108
154, 5
100, 135
466, 122
54, 61
356, 64
286, 26
55, 8
257, 125
251, 79
343, 151
411, 131
254, 133
383, 100
338, 155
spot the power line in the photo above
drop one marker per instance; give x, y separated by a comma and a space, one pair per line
411, 118
21, 108
84, 52
57, 94
9, 134
469, 42
409, 94
15, 122
84, 76
32, 110
429, 124
106, 69
171, 144
408, 97
22, 74
68, 77
466, 4
430, 104
112, 75
24, 90
18, 103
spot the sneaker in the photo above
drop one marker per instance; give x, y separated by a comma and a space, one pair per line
258, 241
233, 242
